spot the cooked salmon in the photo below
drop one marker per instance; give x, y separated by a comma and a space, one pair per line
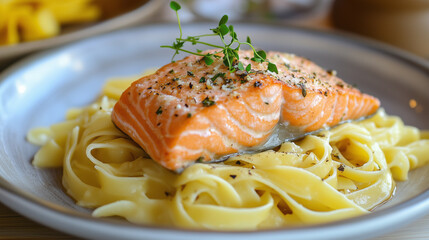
188, 111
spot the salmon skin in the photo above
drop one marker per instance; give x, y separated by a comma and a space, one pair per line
190, 112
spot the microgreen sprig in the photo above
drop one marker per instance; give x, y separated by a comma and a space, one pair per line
230, 48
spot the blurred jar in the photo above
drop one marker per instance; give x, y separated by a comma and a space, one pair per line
404, 23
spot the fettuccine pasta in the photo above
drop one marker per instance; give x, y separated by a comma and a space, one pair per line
336, 174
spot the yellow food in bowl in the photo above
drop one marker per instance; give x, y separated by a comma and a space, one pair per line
28, 20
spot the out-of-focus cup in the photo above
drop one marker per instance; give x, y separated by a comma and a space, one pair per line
404, 23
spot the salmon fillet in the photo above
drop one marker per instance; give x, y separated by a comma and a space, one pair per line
188, 111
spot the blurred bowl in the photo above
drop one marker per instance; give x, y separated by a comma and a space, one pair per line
115, 14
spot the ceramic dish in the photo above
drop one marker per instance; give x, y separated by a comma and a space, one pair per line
38, 91
114, 19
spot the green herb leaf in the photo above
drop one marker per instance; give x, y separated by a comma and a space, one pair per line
257, 59
223, 29
248, 40
208, 60
240, 66
233, 34
223, 20
262, 54
248, 68
175, 6
272, 67
193, 40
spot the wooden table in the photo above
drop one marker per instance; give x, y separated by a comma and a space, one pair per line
15, 226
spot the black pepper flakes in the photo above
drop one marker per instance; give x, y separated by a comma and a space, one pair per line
175, 79
191, 85
171, 71
332, 72
340, 84
233, 176
303, 89
341, 168
159, 111
257, 84
241, 73
190, 73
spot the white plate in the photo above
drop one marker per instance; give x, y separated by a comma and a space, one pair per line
37, 92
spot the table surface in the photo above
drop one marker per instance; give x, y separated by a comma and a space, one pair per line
15, 226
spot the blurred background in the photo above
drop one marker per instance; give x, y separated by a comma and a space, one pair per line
27, 26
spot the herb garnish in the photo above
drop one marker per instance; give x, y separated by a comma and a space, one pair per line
230, 52
220, 74
207, 102
200, 159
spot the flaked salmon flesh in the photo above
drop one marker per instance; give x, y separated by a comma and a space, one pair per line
188, 111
